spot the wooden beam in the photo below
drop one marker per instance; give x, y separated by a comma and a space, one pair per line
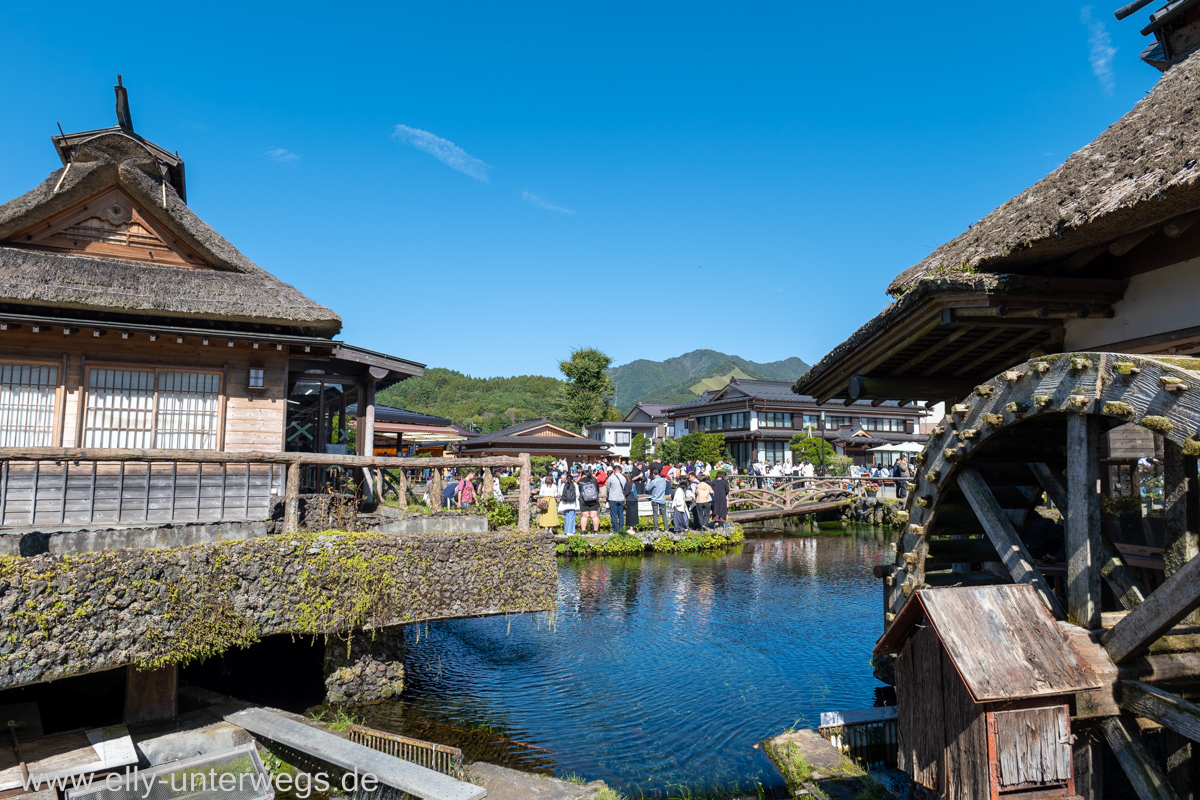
1168, 710
1079, 260
1179, 475
1141, 769
983, 339
1119, 247
1008, 544
523, 496
1082, 517
929, 352
862, 387
996, 353
1113, 568
59, 454
291, 498
1178, 226
1178, 596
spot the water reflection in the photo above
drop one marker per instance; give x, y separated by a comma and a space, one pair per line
657, 674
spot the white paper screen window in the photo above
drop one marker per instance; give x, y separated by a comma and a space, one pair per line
27, 397
187, 410
121, 409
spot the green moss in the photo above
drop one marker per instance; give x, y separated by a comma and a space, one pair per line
1183, 362
1118, 409
1157, 424
1191, 447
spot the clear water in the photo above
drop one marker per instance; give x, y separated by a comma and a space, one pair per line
657, 674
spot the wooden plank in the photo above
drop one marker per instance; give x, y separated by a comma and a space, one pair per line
523, 497
117, 455
1177, 597
1141, 769
1082, 521
1012, 551
150, 695
291, 499
1168, 710
319, 744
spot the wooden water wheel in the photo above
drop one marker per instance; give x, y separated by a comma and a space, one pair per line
1035, 430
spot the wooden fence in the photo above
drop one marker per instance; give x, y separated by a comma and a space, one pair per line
52, 486
438, 757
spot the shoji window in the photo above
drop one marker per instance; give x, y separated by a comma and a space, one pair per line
27, 398
147, 409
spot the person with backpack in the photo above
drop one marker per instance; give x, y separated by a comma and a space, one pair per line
631, 503
704, 496
569, 500
902, 473
616, 498
589, 501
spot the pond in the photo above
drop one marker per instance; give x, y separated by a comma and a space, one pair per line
657, 674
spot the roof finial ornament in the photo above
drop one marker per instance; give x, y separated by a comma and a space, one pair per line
123, 117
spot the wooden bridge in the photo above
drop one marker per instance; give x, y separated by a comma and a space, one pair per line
753, 498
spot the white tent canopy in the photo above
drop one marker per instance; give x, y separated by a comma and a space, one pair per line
902, 447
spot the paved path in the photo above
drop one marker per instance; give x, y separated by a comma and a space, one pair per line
509, 784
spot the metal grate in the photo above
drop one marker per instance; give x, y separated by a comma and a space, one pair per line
201, 778
438, 757
869, 737
27, 396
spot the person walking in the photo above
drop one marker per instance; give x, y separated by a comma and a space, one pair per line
704, 495
631, 505
902, 474
568, 500
720, 507
659, 487
616, 499
548, 503
589, 501
466, 492
679, 507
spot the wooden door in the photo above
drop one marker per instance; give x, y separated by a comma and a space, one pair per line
1029, 750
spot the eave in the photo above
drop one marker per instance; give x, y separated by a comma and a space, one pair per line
938, 345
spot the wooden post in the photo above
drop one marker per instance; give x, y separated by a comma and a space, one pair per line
291, 499
150, 696
435, 497
1008, 544
1179, 500
1088, 757
487, 482
367, 432
1083, 521
523, 497
402, 489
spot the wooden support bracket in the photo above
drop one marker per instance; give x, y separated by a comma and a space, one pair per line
1178, 596
1141, 769
1008, 544
1166, 709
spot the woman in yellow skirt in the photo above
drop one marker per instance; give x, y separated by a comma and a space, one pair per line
548, 494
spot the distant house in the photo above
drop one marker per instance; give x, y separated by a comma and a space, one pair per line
656, 413
619, 435
759, 418
416, 433
538, 437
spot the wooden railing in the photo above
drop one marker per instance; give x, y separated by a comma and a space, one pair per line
438, 757
788, 494
54, 486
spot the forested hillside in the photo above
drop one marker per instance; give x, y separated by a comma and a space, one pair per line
682, 378
489, 403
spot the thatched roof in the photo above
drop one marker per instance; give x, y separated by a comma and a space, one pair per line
1140, 172
230, 288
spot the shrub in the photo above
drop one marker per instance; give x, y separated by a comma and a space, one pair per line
499, 514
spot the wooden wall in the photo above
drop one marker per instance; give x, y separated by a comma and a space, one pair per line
250, 420
942, 732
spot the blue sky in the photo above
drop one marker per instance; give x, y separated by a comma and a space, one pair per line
484, 186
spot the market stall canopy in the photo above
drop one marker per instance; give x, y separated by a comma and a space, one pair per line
902, 447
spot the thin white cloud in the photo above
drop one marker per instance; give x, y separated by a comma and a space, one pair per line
444, 151
281, 156
537, 202
1102, 51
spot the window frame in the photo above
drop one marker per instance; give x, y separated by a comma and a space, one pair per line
58, 419
85, 392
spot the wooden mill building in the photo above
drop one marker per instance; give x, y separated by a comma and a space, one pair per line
1063, 333
128, 323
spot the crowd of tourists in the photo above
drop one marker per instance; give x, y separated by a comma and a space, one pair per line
688, 495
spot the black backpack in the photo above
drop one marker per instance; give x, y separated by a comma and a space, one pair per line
568, 492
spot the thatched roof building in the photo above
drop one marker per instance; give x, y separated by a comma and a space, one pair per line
109, 232
1056, 266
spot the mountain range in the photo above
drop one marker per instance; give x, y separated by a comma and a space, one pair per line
685, 377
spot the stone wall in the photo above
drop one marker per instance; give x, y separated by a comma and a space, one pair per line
62, 615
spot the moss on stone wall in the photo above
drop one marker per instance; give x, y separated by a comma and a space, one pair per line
624, 544
75, 613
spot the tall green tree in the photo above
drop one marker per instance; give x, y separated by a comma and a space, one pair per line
708, 447
589, 389
637, 448
810, 447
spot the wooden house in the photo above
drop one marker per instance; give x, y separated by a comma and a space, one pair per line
759, 418
538, 437
127, 323
985, 686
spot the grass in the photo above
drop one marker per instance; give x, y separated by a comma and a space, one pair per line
340, 722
